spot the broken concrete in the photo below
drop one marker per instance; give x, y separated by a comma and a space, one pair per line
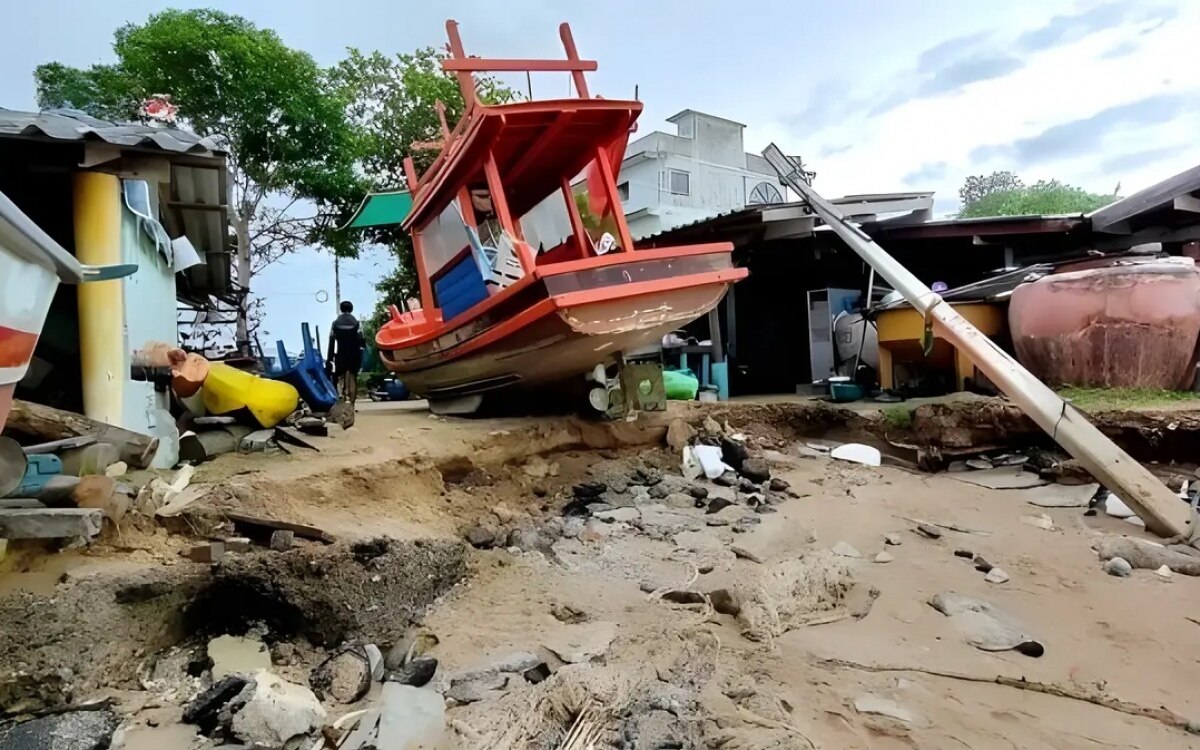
73, 730
579, 643
277, 713
50, 523
411, 718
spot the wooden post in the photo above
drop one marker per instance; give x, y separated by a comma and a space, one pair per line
581, 87
466, 81
614, 200
47, 423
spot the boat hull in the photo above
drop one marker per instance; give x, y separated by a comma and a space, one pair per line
26, 290
567, 340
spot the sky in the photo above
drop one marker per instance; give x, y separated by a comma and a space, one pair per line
876, 96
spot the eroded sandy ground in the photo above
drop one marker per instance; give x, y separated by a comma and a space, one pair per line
682, 675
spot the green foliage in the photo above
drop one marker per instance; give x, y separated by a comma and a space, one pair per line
1043, 197
1109, 399
104, 91
899, 417
392, 102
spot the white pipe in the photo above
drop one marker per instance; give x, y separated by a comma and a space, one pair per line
1154, 503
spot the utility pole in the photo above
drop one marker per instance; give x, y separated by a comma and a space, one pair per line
1154, 503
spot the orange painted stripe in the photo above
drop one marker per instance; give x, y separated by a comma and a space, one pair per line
16, 347
637, 256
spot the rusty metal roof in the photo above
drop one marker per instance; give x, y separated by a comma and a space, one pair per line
73, 125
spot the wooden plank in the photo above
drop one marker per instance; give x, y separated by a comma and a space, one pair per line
55, 446
1158, 194
299, 529
47, 423
496, 65
530, 157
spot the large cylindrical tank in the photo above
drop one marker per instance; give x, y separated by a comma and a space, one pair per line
1104, 323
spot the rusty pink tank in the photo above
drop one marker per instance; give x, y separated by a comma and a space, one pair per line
1110, 323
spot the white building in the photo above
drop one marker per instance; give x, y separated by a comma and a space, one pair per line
702, 170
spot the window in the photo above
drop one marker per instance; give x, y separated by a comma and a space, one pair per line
679, 182
623, 191
443, 238
686, 128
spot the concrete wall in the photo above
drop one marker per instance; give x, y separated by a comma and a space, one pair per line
149, 316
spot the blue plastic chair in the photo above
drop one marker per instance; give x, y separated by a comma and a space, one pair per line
306, 374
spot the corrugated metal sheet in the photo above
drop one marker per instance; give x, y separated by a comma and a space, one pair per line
73, 125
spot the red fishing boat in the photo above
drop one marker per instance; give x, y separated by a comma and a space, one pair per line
528, 274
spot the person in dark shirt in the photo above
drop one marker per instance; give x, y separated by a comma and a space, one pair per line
346, 345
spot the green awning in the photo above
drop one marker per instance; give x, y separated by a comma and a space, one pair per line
381, 210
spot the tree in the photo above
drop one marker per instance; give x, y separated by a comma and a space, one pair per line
392, 105
1042, 198
291, 149
976, 187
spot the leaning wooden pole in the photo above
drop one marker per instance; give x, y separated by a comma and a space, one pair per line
1154, 503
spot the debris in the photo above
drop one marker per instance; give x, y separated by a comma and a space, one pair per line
725, 602
844, 549
873, 704
709, 458
408, 648
375, 659
481, 537
579, 643
1060, 495
1002, 478
727, 479
996, 575
792, 593
1116, 507
537, 674
47, 423
717, 504
477, 685
50, 523
1041, 521
778, 485
238, 544
982, 565
417, 672
1142, 554
892, 539
984, 626
1163, 572
712, 427
929, 530
282, 540
212, 552
237, 655
254, 525
345, 676
622, 515
857, 453
689, 465
205, 709
257, 441
71, 730
1135, 521
313, 426
117, 469
733, 452
964, 553
679, 434
978, 464
410, 718
1118, 566
883, 557
100, 493
277, 713
949, 527
756, 470
770, 541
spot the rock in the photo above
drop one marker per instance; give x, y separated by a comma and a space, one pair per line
589, 490
985, 626
417, 672
996, 575
345, 676
204, 711
756, 470
1116, 507
844, 549
648, 476
968, 554
883, 557
717, 505
50, 523
778, 485
233, 654
728, 479
517, 661
892, 539
623, 515
480, 537
658, 491
698, 541
929, 530
982, 565
734, 453
409, 647
874, 704
1041, 521
725, 602
679, 434
283, 540
712, 426
1135, 521
478, 685
568, 613
1163, 572
277, 713
238, 544
683, 597
73, 730
410, 718
679, 500
1118, 566
212, 552
532, 540
580, 643
746, 486
697, 491
537, 675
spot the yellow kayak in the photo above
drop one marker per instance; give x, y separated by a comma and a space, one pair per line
227, 389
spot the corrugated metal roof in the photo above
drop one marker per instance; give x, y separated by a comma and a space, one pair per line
73, 125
